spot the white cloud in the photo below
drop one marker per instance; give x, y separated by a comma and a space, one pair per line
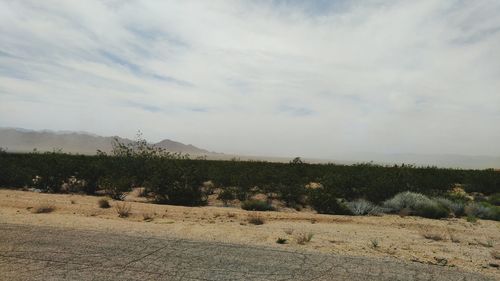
277, 78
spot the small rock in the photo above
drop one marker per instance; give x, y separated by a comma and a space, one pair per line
492, 264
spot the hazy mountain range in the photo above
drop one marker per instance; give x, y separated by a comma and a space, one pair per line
23, 140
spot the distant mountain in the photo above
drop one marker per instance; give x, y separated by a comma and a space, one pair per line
23, 140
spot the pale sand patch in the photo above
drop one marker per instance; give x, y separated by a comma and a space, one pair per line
466, 245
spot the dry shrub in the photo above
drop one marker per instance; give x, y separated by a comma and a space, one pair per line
231, 215
374, 243
123, 209
454, 238
281, 240
495, 254
304, 238
148, 216
256, 220
434, 235
103, 203
42, 209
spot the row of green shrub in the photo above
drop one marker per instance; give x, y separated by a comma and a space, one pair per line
177, 180
416, 204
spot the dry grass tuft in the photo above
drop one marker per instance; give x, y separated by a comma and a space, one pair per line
123, 209
374, 243
231, 215
288, 231
304, 238
435, 235
103, 203
42, 209
148, 216
256, 220
495, 254
455, 238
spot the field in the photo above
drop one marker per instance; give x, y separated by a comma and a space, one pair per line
455, 242
442, 217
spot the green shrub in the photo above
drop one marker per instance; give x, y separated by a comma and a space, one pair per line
483, 210
407, 200
362, 207
418, 204
226, 195
494, 199
471, 219
432, 211
256, 205
455, 207
327, 203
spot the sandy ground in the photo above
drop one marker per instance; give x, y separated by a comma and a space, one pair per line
465, 245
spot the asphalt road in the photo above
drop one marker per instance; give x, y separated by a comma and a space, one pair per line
48, 253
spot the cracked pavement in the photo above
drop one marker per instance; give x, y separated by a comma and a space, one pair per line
51, 253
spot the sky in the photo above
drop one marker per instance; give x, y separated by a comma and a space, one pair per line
276, 78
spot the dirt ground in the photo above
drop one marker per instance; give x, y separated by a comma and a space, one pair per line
455, 242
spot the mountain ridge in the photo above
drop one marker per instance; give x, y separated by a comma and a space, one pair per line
25, 140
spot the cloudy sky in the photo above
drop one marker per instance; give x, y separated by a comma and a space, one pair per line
281, 78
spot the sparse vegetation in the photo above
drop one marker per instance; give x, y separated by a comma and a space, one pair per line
374, 243
304, 238
103, 203
288, 231
256, 220
327, 188
42, 208
123, 209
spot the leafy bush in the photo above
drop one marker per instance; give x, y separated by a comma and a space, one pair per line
226, 195
494, 199
327, 203
455, 207
479, 211
256, 205
407, 200
418, 204
362, 207
432, 211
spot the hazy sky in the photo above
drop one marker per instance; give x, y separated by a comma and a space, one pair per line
281, 78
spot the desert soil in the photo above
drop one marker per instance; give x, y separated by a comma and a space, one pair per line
464, 245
